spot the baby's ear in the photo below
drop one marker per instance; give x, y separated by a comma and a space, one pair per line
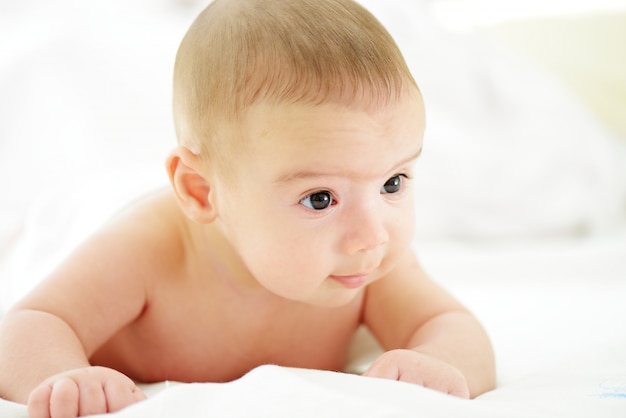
191, 186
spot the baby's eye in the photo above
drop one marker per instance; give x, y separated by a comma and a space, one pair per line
318, 200
393, 185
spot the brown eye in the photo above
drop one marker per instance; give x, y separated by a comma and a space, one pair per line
318, 200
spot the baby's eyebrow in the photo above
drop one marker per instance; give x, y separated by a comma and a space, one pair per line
305, 174
411, 158
299, 175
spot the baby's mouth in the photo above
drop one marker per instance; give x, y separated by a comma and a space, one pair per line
351, 281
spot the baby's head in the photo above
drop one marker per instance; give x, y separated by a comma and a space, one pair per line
308, 108
239, 53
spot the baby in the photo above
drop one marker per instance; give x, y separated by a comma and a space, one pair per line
288, 224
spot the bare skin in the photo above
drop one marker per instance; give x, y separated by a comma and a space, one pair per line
205, 282
254, 327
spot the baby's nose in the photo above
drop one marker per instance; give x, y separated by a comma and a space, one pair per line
365, 231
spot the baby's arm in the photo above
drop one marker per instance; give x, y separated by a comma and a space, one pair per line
37, 344
431, 339
48, 337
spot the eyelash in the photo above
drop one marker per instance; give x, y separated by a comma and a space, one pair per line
332, 201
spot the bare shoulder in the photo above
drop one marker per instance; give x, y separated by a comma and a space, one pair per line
107, 281
399, 303
153, 223
145, 238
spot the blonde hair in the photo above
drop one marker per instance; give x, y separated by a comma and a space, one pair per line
241, 52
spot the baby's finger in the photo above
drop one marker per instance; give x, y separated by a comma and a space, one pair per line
138, 395
460, 389
121, 393
384, 370
64, 399
39, 402
450, 381
91, 397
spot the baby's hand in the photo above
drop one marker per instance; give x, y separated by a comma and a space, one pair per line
84, 391
414, 367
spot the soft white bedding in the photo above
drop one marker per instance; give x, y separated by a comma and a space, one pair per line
521, 204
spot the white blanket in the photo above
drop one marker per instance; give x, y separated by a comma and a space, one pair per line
521, 205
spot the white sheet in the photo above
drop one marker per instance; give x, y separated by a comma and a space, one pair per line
520, 204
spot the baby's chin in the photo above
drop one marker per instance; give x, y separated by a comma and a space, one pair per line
334, 298
330, 293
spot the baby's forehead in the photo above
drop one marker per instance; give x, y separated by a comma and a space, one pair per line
334, 125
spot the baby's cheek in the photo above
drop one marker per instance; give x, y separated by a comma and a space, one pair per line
403, 231
407, 224
285, 272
